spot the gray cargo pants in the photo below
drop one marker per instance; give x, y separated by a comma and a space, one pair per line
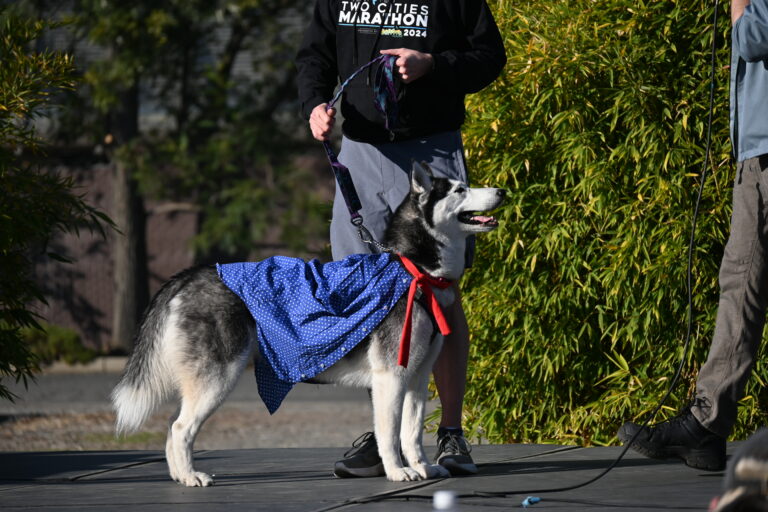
743, 300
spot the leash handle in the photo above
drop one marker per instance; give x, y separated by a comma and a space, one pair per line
344, 179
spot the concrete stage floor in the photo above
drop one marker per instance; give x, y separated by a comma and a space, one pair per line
299, 479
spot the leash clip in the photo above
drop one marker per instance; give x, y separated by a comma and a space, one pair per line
367, 237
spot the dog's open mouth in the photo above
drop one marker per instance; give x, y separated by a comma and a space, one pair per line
471, 218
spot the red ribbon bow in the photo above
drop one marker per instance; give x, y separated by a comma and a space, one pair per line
425, 282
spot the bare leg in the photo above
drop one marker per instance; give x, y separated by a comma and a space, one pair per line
450, 369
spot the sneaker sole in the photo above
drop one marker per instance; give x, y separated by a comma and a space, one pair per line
457, 469
341, 471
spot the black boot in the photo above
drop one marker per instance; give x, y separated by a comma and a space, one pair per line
681, 437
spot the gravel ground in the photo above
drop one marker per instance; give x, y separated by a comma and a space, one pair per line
71, 412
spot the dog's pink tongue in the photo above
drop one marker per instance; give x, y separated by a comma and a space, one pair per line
483, 219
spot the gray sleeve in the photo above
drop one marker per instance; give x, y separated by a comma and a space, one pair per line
750, 33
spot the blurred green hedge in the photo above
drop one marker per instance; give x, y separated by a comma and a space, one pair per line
577, 305
51, 343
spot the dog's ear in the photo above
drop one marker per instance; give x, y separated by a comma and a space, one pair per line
421, 178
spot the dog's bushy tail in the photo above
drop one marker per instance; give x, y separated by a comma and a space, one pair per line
147, 379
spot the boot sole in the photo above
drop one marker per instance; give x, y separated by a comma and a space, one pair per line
696, 458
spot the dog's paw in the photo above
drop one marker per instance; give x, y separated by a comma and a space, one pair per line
432, 471
403, 475
196, 479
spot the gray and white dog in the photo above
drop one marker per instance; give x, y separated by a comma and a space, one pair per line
197, 336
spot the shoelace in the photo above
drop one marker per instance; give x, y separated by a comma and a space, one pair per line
360, 443
677, 421
453, 443
680, 417
701, 403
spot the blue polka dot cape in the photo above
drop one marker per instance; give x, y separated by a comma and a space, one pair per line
309, 314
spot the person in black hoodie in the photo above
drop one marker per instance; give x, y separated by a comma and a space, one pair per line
444, 50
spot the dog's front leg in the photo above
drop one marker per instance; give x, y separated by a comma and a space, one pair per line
388, 391
412, 430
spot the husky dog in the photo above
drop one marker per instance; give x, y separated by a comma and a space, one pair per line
197, 336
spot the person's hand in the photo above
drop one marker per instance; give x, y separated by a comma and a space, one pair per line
411, 64
321, 122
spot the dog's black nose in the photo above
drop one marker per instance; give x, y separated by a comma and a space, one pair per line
501, 192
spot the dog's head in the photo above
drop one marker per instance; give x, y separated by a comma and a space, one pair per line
449, 206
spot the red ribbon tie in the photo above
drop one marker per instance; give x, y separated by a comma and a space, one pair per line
425, 282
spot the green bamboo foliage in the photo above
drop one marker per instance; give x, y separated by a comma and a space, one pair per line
577, 306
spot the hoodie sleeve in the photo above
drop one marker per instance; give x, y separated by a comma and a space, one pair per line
476, 67
750, 33
316, 60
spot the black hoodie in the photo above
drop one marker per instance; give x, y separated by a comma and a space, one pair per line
461, 35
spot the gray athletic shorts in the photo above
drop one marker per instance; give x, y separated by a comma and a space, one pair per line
381, 173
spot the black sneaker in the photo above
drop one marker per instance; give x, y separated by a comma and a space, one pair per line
681, 437
362, 460
453, 453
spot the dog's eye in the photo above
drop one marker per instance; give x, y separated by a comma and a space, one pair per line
460, 190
